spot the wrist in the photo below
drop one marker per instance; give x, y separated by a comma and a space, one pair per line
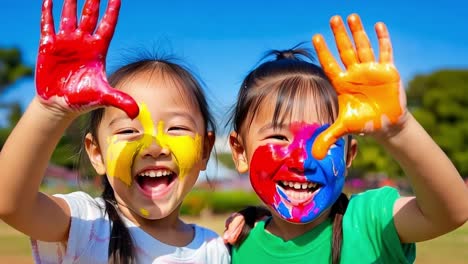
396, 131
50, 112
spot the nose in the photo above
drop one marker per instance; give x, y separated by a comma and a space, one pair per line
297, 156
155, 150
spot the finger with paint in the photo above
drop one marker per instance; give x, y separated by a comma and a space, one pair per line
370, 95
70, 70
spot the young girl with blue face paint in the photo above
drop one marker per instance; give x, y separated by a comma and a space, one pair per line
290, 126
150, 154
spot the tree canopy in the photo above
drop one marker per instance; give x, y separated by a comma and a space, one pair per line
12, 67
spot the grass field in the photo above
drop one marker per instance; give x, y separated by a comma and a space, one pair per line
451, 248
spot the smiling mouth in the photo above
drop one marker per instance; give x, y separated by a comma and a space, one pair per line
299, 193
155, 180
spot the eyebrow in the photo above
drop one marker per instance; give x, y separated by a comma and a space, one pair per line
118, 119
183, 115
272, 126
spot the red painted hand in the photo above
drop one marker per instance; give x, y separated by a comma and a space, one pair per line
70, 70
371, 97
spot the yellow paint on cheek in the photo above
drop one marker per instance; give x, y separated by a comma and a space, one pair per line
186, 150
121, 153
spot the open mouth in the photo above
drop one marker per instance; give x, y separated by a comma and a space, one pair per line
155, 180
299, 193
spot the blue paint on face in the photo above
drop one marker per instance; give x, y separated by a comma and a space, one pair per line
328, 172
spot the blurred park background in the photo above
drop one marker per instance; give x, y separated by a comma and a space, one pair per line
223, 42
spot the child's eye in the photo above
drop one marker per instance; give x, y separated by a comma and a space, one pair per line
178, 128
278, 137
127, 131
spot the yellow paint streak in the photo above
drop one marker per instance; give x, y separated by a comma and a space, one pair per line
185, 150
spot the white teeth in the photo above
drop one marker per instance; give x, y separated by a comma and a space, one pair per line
299, 185
156, 173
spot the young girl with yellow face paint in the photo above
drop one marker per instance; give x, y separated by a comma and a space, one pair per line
150, 154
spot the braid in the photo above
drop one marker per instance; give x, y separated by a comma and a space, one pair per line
120, 242
337, 212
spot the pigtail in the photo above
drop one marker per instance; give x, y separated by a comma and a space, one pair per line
120, 242
337, 212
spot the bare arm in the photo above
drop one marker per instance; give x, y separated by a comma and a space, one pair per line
70, 80
23, 160
441, 202
372, 101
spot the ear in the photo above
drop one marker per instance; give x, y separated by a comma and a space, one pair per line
238, 153
94, 154
207, 147
351, 152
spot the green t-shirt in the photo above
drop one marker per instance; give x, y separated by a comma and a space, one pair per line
369, 236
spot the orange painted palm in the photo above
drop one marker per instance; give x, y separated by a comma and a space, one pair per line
70, 70
371, 97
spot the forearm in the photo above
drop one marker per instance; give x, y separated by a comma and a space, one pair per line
441, 194
26, 154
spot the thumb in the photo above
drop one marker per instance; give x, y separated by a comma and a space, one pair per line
119, 99
327, 138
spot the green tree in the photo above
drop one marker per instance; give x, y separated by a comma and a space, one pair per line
439, 101
12, 67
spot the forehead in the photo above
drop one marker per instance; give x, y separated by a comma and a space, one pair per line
159, 92
279, 110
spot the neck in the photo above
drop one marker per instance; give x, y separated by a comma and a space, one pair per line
170, 222
170, 230
287, 230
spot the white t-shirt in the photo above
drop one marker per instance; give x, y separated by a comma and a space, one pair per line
88, 241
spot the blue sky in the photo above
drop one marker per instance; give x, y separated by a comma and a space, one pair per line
222, 40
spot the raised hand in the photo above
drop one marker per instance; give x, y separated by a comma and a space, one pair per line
371, 97
70, 70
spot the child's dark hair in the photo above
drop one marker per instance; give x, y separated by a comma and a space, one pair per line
291, 77
121, 248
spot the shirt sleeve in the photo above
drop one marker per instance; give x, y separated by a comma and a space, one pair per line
376, 209
85, 213
216, 250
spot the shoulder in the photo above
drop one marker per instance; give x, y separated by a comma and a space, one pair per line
204, 233
380, 195
83, 205
88, 235
372, 208
211, 243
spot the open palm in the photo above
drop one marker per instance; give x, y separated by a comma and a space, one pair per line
370, 95
70, 70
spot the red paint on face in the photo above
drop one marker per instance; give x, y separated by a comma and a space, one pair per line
272, 163
71, 63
